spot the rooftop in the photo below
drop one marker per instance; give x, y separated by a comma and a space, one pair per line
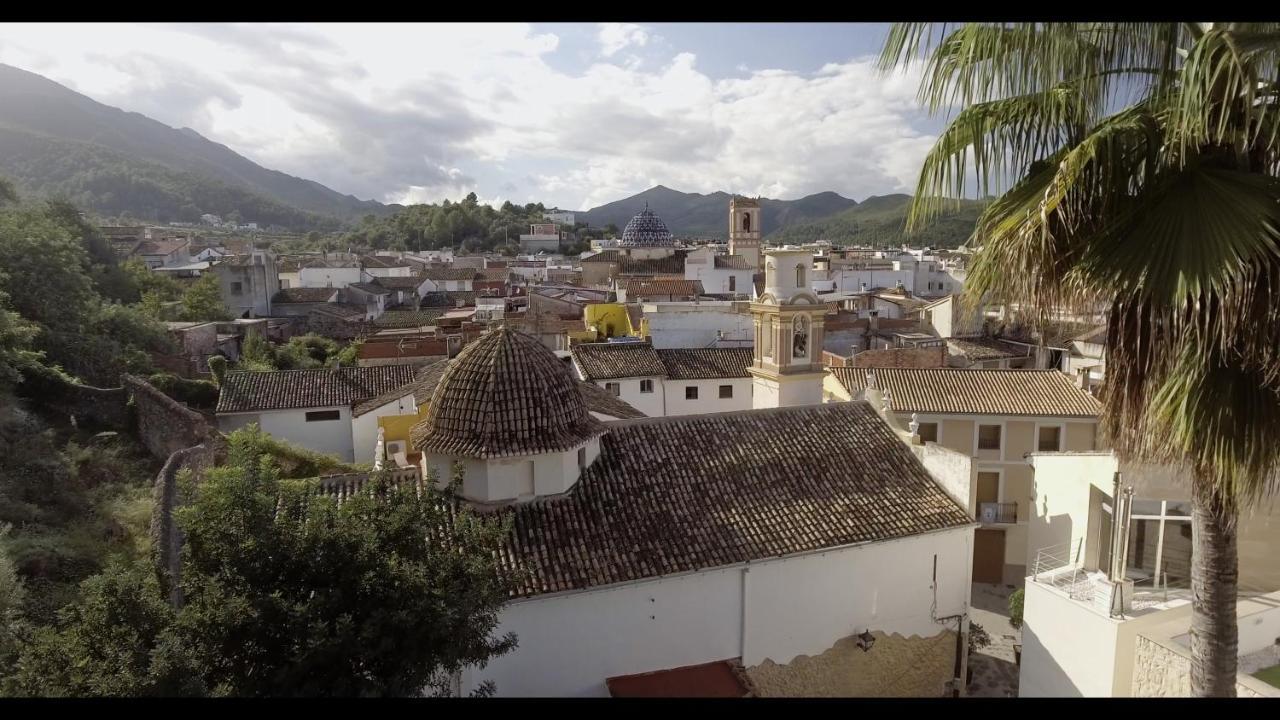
304, 295
683, 288
244, 391
952, 391
984, 348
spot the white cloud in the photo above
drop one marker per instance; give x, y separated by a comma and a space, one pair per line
417, 113
616, 36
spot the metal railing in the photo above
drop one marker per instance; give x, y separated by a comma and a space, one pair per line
1050, 568
998, 513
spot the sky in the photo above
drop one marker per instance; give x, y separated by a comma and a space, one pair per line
571, 115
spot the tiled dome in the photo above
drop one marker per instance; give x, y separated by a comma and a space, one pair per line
505, 394
646, 230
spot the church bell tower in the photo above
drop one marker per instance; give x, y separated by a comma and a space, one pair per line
744, 229
787, 363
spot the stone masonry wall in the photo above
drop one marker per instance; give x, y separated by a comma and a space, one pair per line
896, 666
166, 538
1159, 671
164, 425
89, 406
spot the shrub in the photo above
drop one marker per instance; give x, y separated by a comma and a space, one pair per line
201, 394
1015, 609
978, 637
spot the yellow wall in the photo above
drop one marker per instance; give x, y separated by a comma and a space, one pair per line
609, 319
396, 427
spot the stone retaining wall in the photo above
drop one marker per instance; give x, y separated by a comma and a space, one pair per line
164, 425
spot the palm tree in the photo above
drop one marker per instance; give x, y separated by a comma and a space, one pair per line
1135, 165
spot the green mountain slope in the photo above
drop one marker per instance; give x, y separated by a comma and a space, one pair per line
695, 214
48, 126
881, 221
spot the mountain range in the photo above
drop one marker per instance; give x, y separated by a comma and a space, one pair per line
55, 142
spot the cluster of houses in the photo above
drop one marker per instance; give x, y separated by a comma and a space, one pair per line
748, 471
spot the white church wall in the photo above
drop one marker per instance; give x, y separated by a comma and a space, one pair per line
698, 325
569, 644
708, 400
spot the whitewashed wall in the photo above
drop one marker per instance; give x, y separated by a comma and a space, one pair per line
328, 277
330, 437
709, 400
690, 325
570, 644
364, 429
1068, 649
650, 403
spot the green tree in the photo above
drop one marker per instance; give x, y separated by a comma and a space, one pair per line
13, 595
287, 592
145, 280
203, 300
1138, 164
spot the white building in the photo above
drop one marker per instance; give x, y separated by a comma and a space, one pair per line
321, 410
561, 217
686, 541
1086, 634
667, 382
320, 273
923, 277
541, 237
720, 274
700, 324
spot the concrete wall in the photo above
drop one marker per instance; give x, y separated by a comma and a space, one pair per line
698, 325
952, 470
651, 404
329, 277
1068, 649
330, 437
364, 429
570, 643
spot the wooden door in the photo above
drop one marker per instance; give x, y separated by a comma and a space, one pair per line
988, 556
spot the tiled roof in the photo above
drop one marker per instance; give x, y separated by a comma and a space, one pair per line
159, 247
408, 318
605, 256
244, 391
450, 274
493, 274
421, 387
673, 495
399, 283
649, 288
602, 361
505, 394
984, 348
370, 288
447, 298
346, 311
976, 392
304, 295
734, 262
706, 363
673, 265
604, 402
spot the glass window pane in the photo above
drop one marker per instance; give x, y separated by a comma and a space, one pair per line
1146, 507
1050, 439
989, 437
1180, 508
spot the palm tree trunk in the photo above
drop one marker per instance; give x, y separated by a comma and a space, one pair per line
1214, 579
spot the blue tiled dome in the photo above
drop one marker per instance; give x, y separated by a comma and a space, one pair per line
646, 230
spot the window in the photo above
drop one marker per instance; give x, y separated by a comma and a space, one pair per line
323, 415
614, 389
691, 392
988, 437
928, 432
726, 391
766, 340
236, 288
800, 276
646, 386
800, 337
733, 283
1049, 439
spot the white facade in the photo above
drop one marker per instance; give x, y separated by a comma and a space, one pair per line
702, 324
927, 277
328, 437
570, 643
560, 216
405, 271
520, 478
339, 277
669, 397
700, 265
364, 429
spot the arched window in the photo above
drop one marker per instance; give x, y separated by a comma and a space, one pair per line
746, 222
800, 276
800, 338
766, 340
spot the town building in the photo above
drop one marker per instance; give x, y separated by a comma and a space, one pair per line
995, 418
542, 237
668, 382
680, 541
788, 333
745, 226
248, 283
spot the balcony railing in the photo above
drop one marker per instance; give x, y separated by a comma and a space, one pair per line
998, 513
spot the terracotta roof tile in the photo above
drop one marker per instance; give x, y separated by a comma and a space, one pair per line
734, 262
706, 363
451, 273
984, 348
980, 392
370, 288
296, 389
649, 288
602, 361
408, 318
399, 283
421, 387
304, 295
505, 394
